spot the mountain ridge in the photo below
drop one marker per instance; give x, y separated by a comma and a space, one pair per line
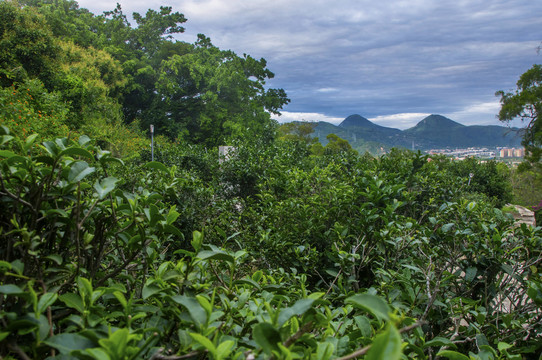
433, 131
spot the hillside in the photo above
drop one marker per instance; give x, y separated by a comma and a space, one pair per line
439, 131
434, 131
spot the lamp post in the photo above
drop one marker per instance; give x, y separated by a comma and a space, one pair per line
152, 142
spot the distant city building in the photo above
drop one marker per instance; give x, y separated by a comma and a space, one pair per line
512, 152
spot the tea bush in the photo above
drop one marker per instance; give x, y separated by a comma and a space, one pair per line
330, 257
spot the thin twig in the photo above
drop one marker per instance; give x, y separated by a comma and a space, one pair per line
14, 347
302, 330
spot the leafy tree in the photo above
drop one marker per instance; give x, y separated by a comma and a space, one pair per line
336, 145
27, 46
194, 91
526, 103
209, 95
297, 131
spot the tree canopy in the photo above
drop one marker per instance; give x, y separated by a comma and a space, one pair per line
526, 103
110, 73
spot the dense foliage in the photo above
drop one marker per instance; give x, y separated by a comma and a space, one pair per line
272, 253
526, 103
100, 74
283, 248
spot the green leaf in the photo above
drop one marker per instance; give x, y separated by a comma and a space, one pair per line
170, 229
452, 355
215, 255
172, 216
66, 343
56, 258
324, 351
73, 301
17, 266
224, 349
197, 240
481, 340
45, 301
205, 304
4, 265
386, 346
77, 151
30, 140
157, 165
535, 292
51, 148
105, 186
205, 342
470, 274
10, 289
370, 303
6, 153
439, 341
6, 138
85, 287
413, 268
446, 227
117, 343
364, 325
196, 311
248, 281
79, 170
120, 297
267, 337
98, 354
299, 308
83, 140
24, 325
149, 290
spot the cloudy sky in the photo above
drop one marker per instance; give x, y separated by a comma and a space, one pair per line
392, 61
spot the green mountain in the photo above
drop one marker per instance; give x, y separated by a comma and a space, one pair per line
439, 131
434, 131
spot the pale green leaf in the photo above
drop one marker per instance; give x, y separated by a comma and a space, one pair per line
105, 186
386, 346
10, 289
299, 308
157, 165
45, 301
452, 355
370, 303
205, 342
73, 301
196, 311
79, 170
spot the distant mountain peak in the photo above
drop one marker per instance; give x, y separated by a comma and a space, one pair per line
356, 120
437, 121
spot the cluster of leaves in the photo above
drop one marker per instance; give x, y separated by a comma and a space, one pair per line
320, 257
100, 260
92, 271
525, 103
53, 87
419, 230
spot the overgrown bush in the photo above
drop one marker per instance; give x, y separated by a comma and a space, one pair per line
327, 257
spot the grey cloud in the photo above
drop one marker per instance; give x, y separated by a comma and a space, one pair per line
384, 58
